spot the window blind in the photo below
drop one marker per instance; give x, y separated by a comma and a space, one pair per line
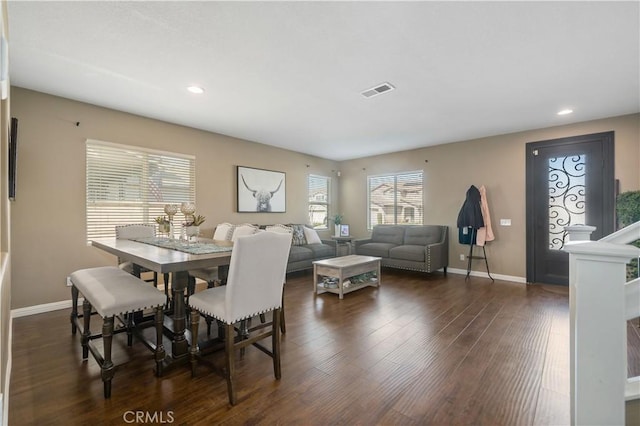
128, 184
318, 201
395, 199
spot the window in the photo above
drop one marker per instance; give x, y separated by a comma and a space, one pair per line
395, 199
319, 201
127, 184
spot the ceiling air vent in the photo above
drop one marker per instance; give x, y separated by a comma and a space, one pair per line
375, 91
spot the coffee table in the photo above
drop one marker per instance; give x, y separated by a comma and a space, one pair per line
342, 268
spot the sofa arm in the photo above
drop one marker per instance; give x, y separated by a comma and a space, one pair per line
331, 243
437, 254
358, 243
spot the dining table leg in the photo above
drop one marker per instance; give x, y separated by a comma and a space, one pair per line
180, 345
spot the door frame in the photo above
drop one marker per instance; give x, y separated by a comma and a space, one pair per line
608, 188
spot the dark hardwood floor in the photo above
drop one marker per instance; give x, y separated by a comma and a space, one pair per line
422, 349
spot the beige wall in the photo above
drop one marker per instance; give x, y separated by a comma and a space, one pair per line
48, 226
49, 239
496, 162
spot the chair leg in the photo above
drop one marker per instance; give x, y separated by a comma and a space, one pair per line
155, 279
195, 321
275, 343
74, 309
243, 334
86, 333
130, 325
221, 330
209, 321
107, 368
159, 352
229, 349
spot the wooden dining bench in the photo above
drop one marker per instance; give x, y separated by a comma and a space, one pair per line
114, 293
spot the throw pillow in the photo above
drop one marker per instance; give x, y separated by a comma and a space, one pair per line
224, 231
312, 236
244, 229
278, 228
298, 235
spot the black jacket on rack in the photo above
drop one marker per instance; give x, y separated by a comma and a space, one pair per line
470, 217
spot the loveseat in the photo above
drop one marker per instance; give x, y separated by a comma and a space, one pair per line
306, 245
422, 248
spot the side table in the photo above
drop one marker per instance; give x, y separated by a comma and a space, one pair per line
343, 244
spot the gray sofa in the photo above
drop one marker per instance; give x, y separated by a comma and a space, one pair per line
302, 254
422, 248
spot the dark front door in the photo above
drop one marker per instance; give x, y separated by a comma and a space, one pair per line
570, 181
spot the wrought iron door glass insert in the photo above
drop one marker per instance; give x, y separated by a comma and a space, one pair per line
566, 196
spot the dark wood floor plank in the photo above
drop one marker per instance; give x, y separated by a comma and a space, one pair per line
421, 349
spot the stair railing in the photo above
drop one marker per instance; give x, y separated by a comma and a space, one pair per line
601, 301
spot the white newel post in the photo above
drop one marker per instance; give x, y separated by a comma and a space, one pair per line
579, 232
597, 277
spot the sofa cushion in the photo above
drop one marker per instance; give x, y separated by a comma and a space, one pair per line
311, 235
298, 253
321, 250
224, 231
408, 252
388, 234
278, 228
298, 235
375, 249
421, 235
243, 229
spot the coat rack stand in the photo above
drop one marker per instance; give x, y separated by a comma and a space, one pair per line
471, 257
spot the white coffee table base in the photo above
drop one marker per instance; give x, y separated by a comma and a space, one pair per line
343, 268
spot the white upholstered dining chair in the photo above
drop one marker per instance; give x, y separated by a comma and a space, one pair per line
211, 275
254, 286
140, 230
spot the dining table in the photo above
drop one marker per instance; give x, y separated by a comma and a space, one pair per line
165, 255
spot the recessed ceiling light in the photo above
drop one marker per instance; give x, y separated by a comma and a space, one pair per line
196, 89
565, 112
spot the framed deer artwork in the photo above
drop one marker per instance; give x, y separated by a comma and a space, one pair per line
261, 191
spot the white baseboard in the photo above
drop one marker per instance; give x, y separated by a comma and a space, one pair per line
40, 309
485, 275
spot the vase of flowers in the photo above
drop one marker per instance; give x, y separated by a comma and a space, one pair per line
337, 221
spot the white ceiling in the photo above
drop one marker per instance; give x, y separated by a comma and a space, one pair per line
289, 74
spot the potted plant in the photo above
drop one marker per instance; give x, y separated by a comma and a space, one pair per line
164, 225
337, 221
192, 228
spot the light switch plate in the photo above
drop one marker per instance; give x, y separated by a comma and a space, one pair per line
505, 222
